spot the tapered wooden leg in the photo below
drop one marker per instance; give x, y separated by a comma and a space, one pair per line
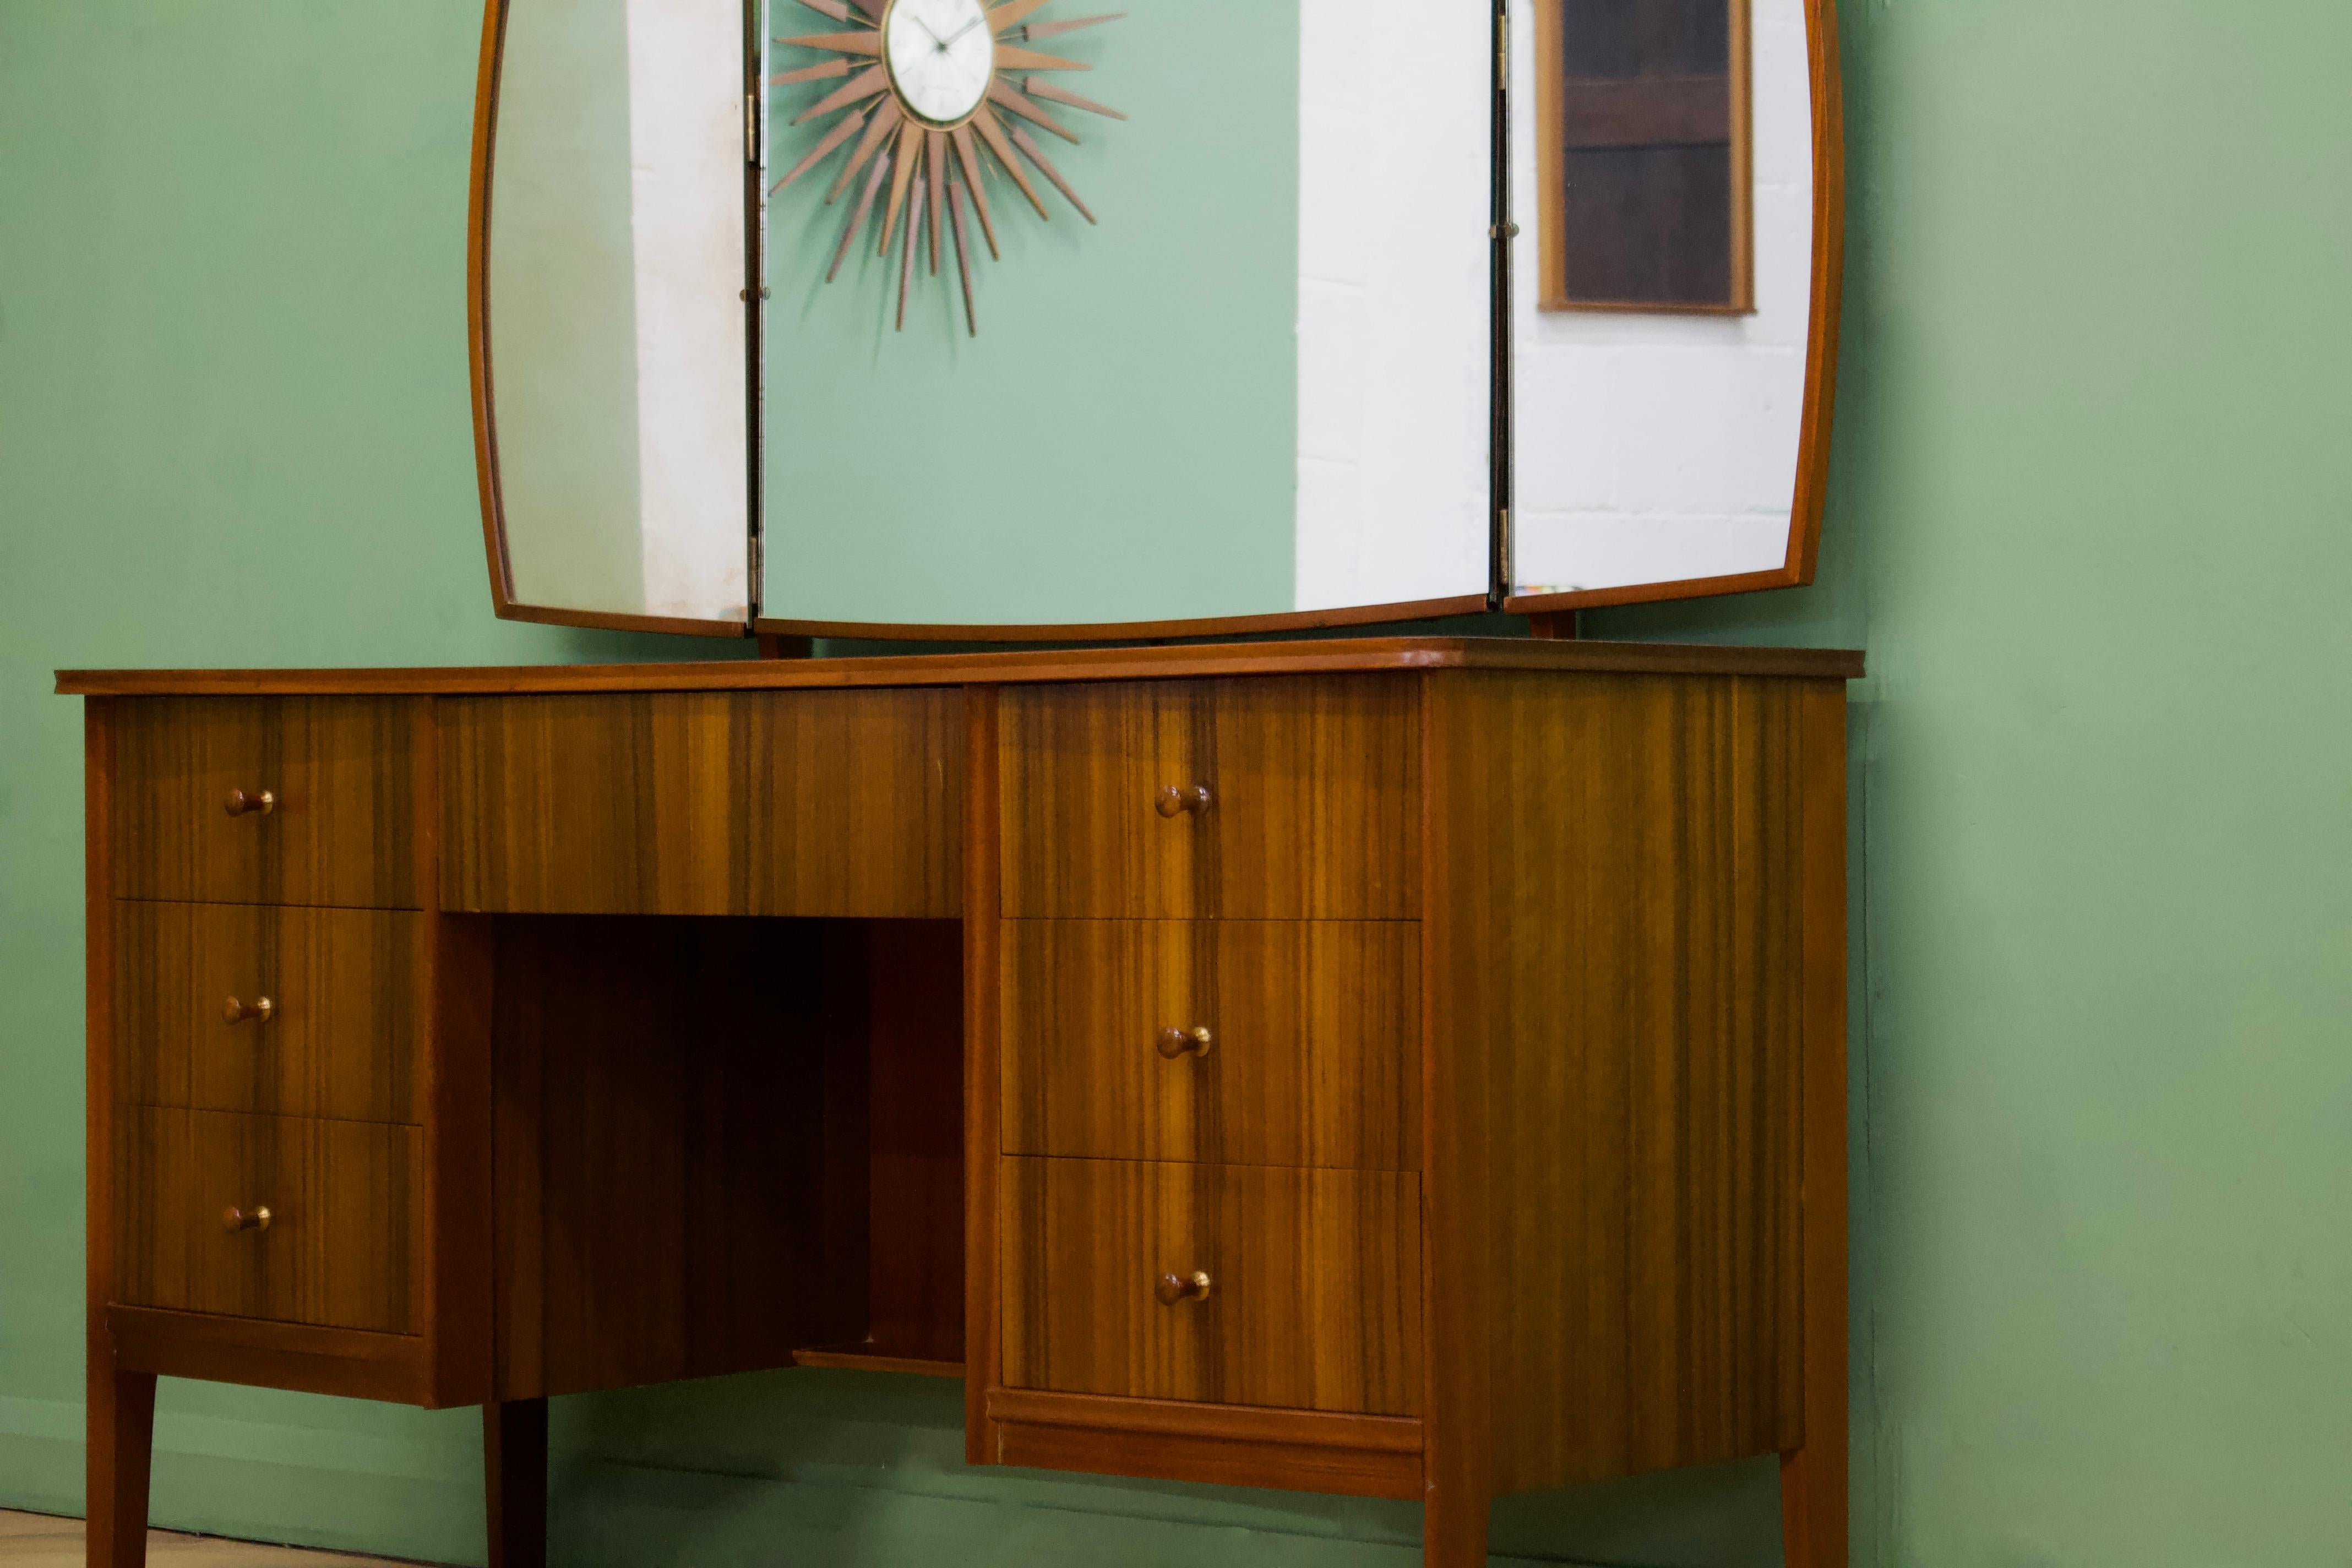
514, 1474
1813, 1477
1812, 1507
1453, 1529
121, 1448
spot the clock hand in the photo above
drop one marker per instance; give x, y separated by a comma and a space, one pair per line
926, 27
960, 32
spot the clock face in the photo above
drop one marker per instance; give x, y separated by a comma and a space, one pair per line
941, 55
954, 107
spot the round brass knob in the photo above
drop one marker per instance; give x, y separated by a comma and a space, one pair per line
1175, 1287
1175, 1042
260, 803
253, 1219
236, 1012
1175, 800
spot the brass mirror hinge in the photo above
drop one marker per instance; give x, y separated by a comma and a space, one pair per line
751, 129
1502, 47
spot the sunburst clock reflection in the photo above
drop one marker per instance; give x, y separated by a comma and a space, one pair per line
934, 105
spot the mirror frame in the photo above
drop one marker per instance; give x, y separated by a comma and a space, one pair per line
1819, 408
1813, 441
477, 339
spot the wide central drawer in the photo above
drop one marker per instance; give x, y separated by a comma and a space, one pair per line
289, 1012
1281, 798
343, 1201
1225, 1284
1245, 1042
743, 803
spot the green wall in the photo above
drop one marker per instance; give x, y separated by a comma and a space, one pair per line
2089, 517
1120, 442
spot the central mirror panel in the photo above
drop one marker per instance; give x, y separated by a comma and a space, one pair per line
1223, 350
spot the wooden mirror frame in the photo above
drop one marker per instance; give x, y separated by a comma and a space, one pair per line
1819, 405
1813, 443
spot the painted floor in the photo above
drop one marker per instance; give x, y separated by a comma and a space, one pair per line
39, 1540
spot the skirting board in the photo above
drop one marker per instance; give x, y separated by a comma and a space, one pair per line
858, 1468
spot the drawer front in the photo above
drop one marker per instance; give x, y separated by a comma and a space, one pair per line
285, 1011
1313, 1300
339, 776
755, 803
1310, 1058
1311, 810
344, 1201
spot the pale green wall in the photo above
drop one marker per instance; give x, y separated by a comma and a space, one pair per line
2089, 517
1120, 442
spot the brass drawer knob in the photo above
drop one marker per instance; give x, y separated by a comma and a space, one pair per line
260, 803
1175, 800
253, 1219
1175, 1042
1175, 1287
236, 1012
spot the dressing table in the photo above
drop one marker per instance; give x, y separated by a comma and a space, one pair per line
1400, 1067
1406, 1067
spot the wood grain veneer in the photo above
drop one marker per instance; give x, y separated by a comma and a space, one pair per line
1225, 1445
1315, 1296
344, 1232
915, 1302
1620, 1030
1313, 794
344, 829
1544, 993
785, 802
120, 1400
348, 1363
344, 1038
1313, 1057
681, 1182
983, 931
1336, 656
1813, 1506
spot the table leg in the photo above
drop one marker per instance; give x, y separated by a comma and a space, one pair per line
1453, 1529
122, 1418
514, 1479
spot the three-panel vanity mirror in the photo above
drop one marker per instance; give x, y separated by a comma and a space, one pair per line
947, 318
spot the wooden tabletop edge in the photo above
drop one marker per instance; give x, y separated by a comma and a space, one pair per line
1314, 655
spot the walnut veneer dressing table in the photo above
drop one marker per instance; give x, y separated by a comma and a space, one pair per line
1411, 1069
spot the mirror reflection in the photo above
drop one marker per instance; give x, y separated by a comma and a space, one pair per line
1661, 343
616, 321
1221, 352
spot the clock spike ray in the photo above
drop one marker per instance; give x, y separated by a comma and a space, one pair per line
1028, 144
945, 73
907, 261
1001, 91
857, 216
963, 262
1036, 30
1047, 89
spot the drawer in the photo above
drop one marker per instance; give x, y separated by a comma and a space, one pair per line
747, 803
1311, 1058
340, 779
331, 1009
344, 1201
1313, 1300
1280, 799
